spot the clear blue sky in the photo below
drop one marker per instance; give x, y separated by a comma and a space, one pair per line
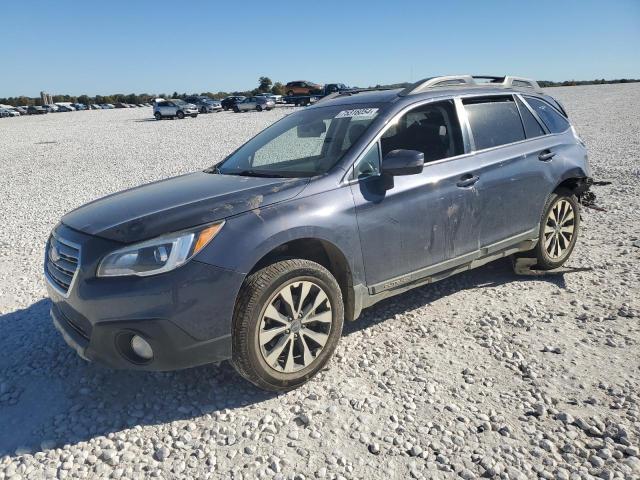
101, 47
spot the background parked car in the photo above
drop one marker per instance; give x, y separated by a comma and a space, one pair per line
254, 103
12, 111
174, 108
205, 104
95, 106
271, 96
66, 108
50, 107
36, 110
4, 113
230, 102
22, 110
301, 87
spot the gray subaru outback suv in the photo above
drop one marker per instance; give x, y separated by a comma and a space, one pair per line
261, 258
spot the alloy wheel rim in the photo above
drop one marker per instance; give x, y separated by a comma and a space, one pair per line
559, 229
295, 326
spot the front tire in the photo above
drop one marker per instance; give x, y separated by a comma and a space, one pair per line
180, 114
559, 228
259, 108
287, 323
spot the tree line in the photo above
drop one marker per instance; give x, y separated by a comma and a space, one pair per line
265, 85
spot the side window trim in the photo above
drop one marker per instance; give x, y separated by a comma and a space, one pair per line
352, 170
534, 113
524, 97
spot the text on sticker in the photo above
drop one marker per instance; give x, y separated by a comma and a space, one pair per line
358, 112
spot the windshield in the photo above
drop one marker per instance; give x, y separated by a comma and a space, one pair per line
179, 102
303, 144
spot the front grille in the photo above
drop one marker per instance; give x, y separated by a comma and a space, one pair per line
61, 262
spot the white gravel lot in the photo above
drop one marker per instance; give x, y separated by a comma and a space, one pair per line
487, 374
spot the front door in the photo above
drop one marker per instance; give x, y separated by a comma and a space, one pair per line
423, 221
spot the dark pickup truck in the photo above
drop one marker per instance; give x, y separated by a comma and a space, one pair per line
302, 100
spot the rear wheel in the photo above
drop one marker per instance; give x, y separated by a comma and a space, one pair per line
559, 227
180, 114
203, 110
287, 324
236, 109
158, 115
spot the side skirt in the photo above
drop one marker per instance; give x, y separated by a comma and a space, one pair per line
367, 296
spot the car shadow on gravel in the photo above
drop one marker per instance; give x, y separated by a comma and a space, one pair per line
491, 275
50, 397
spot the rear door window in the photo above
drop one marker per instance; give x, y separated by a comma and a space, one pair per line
531, 126
549, 115
494, 121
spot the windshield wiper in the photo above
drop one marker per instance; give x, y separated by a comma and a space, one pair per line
252, 173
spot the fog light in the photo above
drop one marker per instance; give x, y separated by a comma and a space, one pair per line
141, 347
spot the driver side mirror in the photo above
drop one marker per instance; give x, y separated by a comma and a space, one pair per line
402, 162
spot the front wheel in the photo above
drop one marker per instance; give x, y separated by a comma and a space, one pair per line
287, 323
194, 115
236, 109
180, 114
559, 227
259, 108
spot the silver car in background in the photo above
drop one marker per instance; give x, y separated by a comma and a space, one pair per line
258, 103
173, 108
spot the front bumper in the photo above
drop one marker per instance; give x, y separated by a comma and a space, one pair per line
185, 315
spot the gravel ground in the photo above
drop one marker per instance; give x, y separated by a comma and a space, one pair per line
486, 374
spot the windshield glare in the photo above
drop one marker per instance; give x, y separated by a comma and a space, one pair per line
304, 144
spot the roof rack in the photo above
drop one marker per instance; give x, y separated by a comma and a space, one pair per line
469, 81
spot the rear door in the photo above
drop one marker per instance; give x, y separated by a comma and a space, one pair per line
417, 223
514, 181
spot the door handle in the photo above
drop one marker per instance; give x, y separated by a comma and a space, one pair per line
546, 155
468, 180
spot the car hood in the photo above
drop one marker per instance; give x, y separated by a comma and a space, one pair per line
178, 203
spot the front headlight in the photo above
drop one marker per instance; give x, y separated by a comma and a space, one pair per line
158, 255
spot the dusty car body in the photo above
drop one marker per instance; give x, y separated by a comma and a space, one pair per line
359, 197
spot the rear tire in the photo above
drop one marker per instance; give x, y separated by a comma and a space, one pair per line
180, 114
559, 229
287, 323
236, 109
158, 115
259, 108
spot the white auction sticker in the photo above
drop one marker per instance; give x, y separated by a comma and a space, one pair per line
358, 112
